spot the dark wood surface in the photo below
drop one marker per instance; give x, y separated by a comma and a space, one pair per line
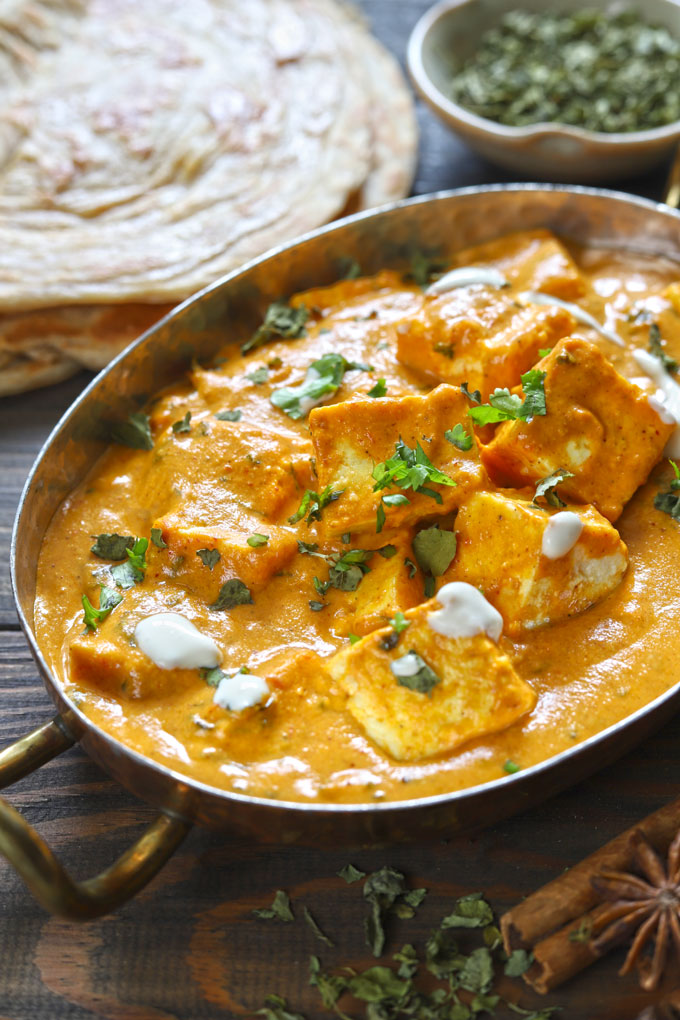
187, 947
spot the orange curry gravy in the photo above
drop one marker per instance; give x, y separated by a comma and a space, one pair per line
301, 744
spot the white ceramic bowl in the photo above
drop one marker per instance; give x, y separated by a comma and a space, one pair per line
551, 151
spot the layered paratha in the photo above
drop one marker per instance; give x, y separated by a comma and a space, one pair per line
150, 146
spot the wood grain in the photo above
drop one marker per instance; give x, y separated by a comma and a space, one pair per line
188, 948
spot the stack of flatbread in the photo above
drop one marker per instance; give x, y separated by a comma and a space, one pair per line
149, 146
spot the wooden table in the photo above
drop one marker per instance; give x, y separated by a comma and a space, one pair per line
187, 947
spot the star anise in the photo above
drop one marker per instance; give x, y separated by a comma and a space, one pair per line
644, 908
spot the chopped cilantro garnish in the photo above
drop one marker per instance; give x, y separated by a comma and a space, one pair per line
424, 268
380, 388
132, 572
232, 593
353, 638
351, 874
445, 349
322, 380
307, 548
184, 425
279, 910
256, 540
399, 622
669, 502
280, 321
316, 606
511, 767
112, 547
543, 352
656, 347
387, 551
459, 437
230, 415
546, 488
157, 538
475, 397
506, 406
408, 469
321, 935
135, 432
347, 571
434, 549
313, 503
258, 375
109, 598
209, 557
412, 568
413, 672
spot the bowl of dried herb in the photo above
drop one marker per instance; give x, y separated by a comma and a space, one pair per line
556, 91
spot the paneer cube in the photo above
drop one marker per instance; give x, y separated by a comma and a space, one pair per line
391, 584
227, 545
597, 425
351, 438
109, 665
476, 691
530, 260
500, 550
235, 465
451, 348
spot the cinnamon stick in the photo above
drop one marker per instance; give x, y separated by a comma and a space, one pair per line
554, 921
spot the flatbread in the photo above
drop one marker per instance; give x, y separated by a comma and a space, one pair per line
150, 146
162, 143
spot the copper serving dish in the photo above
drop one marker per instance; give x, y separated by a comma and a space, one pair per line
197, 329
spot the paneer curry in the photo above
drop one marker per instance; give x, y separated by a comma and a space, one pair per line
421, 530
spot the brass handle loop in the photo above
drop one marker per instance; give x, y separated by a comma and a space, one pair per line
42, 872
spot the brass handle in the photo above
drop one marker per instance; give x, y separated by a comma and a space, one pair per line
42, 872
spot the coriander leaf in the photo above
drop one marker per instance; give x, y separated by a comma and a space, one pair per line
399, 623
387, 551
476, 974
347, 571
157, 538
353, 638
656, 347
132, 572
506, 406
380, 388
256, 540
315, 928
184, 425
395, 499
424, 267
279, 910
511, 767
307, 548
377, 984
381, 889
330, 986
234, 415
459, 437
546, 487
322, 380
435, 549
413, 672
280, 320
209, 557
135, 432
475, 397
313, 503
315, 606
232, 593
407, 958
412, 568
258, 375
109, 598
112, 547
471, 911
445, 349
518, 963
543, 352
351, 874
407, 469
213, 677
276, 1008
380, 517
